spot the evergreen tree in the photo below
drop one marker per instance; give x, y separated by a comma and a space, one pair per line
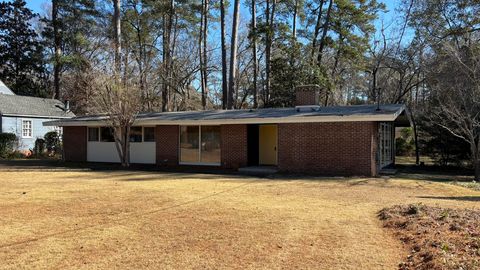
21, 52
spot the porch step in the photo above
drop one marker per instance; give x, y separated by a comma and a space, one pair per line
258, 170
388, 171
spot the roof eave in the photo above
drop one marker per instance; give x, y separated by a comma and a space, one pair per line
35, 116
275, 120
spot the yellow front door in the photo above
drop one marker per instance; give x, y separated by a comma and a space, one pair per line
267, 141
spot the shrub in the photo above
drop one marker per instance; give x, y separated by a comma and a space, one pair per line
39, 147
8, 143
52, 141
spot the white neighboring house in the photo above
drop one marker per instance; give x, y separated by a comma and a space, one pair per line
24, 116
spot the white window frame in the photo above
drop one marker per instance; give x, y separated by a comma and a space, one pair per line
386, 144
30, 129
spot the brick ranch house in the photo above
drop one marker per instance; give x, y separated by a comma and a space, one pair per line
336, 140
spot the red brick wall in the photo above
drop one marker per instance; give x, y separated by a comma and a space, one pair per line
166, 140
374, 153
307, 95
327, 148
234, 146
75, 144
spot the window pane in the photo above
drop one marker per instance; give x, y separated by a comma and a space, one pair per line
93, 134
136, 134
106, 134
189, 144
27, 128
210, 147
148, 134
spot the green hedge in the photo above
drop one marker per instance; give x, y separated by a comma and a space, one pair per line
52, 141
8, 143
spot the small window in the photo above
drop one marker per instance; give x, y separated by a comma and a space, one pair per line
136, 134
27, 128
106, 134
93, 134
148, 134
59, 130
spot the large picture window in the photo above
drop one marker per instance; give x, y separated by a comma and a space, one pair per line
200, 144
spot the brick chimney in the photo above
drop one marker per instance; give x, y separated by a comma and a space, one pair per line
306, 95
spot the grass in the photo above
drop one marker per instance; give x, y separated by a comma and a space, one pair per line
129, 219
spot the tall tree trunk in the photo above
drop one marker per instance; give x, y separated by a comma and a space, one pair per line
294, 23
317, 29
200, 53
415, 139
254, 53
475, 150
224, 56
233, 55
58, 49
205, 56
324, 33
117, 36
269, 15
167, 54
477, 170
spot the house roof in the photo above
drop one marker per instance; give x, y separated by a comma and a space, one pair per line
13, 105
302, 114
5, 90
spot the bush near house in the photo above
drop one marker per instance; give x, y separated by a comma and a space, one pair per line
52, 142
8, 143
39, 149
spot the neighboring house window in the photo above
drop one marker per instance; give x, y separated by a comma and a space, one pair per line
106, 134
136, 134
93, 135
26, 128
200, 144
148, 134
59, 130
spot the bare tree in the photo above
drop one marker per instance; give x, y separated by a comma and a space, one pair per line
120, 103
455, 76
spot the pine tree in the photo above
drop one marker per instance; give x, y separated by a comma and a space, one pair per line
21, 52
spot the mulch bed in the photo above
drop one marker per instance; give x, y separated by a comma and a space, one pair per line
438, 238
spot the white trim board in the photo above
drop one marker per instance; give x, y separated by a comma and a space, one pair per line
273, 120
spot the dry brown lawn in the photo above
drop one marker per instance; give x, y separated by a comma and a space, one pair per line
131, 220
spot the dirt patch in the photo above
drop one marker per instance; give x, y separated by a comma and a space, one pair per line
437, 238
